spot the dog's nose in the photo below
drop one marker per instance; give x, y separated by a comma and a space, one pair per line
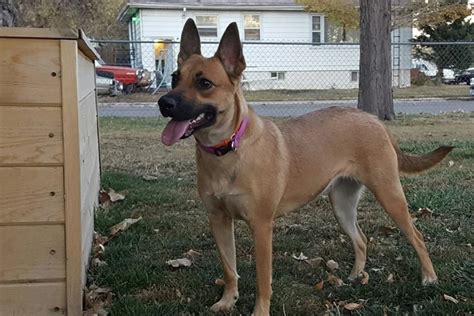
167, 102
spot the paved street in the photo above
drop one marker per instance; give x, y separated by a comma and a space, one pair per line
283, 109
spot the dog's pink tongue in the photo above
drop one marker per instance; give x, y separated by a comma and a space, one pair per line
173, 131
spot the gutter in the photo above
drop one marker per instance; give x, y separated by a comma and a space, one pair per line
165, 6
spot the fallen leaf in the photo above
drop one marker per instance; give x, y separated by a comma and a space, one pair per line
98, 263
388, 230
334, 280
219, 282
376, 269
123, 225
116, 196
192, 253
390, 278
182, 262
104, 197
95, 300
319, 286
450, 299
148, 177
314, 262
365, 278
301, 257
332, 265
449, 230
399, 258
352, 306
424, 212
451, 163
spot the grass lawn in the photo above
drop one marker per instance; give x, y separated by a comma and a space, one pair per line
174, 221
428, 91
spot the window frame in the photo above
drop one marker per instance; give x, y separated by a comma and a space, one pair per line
217, 25
244, 28
356, 72
321, 29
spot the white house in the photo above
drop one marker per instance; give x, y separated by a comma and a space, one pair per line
285, 47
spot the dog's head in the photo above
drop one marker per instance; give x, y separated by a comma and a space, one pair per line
203, 89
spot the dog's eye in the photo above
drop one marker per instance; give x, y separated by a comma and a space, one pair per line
204, 84
174, 79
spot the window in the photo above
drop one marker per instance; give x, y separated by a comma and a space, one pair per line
334, 33
251, 27
316, 29
207, 25
277, 75
354, 76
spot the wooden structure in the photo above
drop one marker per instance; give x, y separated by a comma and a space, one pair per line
49, 169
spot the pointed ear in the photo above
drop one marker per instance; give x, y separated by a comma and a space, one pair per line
230, 51
190, 42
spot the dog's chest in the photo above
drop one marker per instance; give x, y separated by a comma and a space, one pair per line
223, 193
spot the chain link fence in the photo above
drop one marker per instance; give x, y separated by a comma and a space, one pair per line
289, 79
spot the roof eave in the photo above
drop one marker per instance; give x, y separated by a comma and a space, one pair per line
181, 6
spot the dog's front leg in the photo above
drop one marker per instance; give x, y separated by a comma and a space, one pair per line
262, 233
222, 227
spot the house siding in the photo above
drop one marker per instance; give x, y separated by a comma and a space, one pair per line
311, 66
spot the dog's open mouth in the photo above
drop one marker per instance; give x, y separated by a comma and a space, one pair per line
176, 130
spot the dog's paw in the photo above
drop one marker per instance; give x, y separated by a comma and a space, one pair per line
225, 304
429, 280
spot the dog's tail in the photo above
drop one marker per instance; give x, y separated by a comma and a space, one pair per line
410, 164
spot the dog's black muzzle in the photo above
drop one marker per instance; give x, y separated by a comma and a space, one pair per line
175, 106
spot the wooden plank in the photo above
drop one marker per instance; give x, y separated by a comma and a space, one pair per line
39, 299
86, 78
30, 32
34, 194
86, 47
30, 135
30, 71
72, 176
32, 253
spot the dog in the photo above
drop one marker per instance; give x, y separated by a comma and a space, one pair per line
252, 169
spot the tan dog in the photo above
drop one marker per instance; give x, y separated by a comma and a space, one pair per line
259, 171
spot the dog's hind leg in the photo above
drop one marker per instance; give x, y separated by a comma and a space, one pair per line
389, 192
222, 228
344, 197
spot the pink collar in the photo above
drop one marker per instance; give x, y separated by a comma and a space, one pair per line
229, 144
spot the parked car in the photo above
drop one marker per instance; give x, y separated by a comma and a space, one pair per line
471, 91
131, 78
465, 77
431, 70
106, 84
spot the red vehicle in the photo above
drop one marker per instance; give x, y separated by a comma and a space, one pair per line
131, 78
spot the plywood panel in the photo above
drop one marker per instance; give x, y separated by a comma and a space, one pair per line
72, 173
30, 135
86, 76
32, 253
30, 71
31, 194
39, 299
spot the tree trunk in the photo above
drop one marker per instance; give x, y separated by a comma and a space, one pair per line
7, 15
375, 68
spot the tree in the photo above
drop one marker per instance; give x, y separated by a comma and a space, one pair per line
343, 13
7, 15
448, 24
98, 19
375, 67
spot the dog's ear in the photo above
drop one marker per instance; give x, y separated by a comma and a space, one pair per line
230, 52
190, 42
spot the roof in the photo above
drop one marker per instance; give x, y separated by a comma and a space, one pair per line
225, 5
